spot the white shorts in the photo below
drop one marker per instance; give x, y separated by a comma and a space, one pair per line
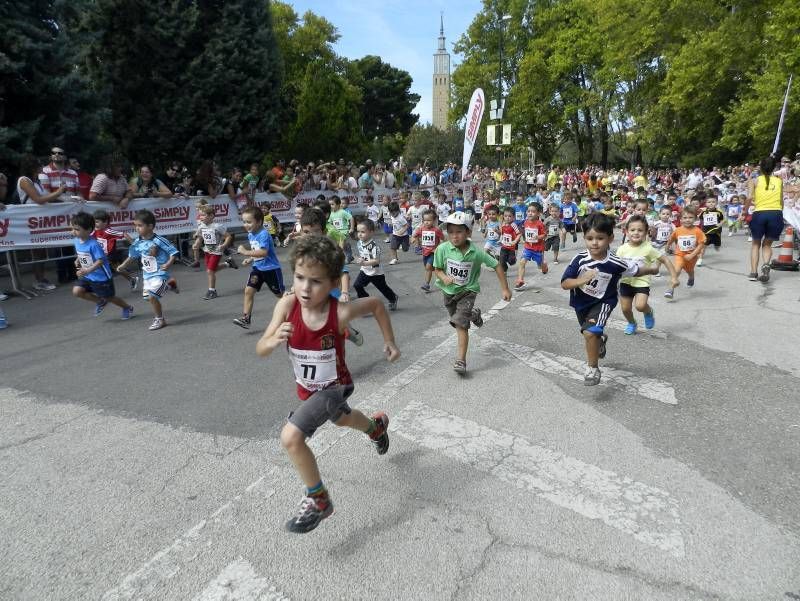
157, 286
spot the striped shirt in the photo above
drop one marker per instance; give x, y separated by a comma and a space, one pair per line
603, 287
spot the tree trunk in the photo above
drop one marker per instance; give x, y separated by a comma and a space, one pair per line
576, 132
587, 116
604, 143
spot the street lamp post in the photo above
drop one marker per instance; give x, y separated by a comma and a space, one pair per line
500, 102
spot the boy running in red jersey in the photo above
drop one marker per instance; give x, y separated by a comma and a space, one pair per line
429, 237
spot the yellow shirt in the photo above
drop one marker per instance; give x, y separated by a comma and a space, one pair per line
646, 251
768, 198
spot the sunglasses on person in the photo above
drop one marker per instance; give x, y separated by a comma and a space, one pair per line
56, 152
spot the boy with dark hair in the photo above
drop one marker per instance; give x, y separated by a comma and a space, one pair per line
107, 238
95, 278
311, 324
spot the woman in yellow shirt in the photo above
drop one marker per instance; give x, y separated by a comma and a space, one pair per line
765, 193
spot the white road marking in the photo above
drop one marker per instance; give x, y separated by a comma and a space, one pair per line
239, 582
616, 324
646, 513
569, 367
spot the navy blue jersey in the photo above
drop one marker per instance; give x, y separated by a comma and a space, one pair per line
603, 288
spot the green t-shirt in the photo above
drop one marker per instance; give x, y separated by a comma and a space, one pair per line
334, 234
340, 220
583, 208
464, 268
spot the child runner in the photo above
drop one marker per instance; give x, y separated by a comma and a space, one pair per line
569, 219
297, 229
534, 233
553, 227
734, 212
457, 264
429, 236
369, 257
386, 218
373, 211
271, 223
266, 267
591, 278
509, 239
342, 222
216, 239
157, 255
107, 239
689, 241
711, 223
635, 290
311, 324
492, 226
443, 209
399, 231
95, 278
414, 215
520, 211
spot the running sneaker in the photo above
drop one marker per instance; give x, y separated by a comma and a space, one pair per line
668, 293
354, 336
460, 366
229, 261
127, 312
195, 265
601, 352
426, 287
555, 261
44, 286
592, 377
3, 322
393, 305
3, 296
753, 277
476, 318
243, 322
100, 306
630, 328
519, 286
650, 320
690, 282
311, 512
749, 238
380, 436
764, 277
730, 233
387, 241
157, 324
393, 262
134, 282
172, 284
545, 268
700, 262
211, 294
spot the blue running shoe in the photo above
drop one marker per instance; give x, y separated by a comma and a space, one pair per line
630, 328
650, 320
127, 312
98, 308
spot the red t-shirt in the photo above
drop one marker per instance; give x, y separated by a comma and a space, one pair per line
429, 238
317, 356
107, 239
534, 235
508, 233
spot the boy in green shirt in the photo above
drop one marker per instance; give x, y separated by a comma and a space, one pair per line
342, 222
457, 265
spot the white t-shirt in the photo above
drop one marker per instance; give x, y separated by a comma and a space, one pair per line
373, 213
398, 223
369, 251
23, 196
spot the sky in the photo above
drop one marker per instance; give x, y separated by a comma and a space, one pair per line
404, 33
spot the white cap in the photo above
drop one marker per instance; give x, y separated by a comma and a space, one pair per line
459, 218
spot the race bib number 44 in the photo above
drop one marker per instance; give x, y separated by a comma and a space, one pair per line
598, 286
313, 370
459, 271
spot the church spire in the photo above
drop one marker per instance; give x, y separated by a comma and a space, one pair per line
441, 33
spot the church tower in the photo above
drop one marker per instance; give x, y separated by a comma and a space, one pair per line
441, 82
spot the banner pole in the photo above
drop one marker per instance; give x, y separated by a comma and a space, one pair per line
783, 116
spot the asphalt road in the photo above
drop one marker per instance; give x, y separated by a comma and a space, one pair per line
145, 465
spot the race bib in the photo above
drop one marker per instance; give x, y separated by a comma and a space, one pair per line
505, 239
313, 370
85, 260
209, 237
733, 212
519, 216
255, 245
686, 242
531, 235
103, 244
710, 219
552, 229
597, 287
428, 239
337, 223
663, 234
149, 264
568, 213
492, 234
459, 271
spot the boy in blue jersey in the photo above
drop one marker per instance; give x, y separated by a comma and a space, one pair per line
156, 255
266, 267
95, 279
591, 278
569, 219
520, 211
458, 201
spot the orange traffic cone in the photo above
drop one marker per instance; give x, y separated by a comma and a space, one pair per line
785, 260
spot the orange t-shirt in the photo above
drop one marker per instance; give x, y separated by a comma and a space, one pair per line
687, 239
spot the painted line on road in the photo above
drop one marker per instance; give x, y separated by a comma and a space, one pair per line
569, 367
239, 582
616, 324
648, 514
167, 563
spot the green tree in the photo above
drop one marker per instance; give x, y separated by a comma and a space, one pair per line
387, 100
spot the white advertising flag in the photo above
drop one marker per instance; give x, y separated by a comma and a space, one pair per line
474, 116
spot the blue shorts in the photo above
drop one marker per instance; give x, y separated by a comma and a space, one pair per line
427, 260
100, 289
766, 225
532, 255
387, 228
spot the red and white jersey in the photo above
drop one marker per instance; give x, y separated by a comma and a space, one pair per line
317, 356
107, 239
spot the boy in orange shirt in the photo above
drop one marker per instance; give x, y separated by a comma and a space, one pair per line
689, 241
